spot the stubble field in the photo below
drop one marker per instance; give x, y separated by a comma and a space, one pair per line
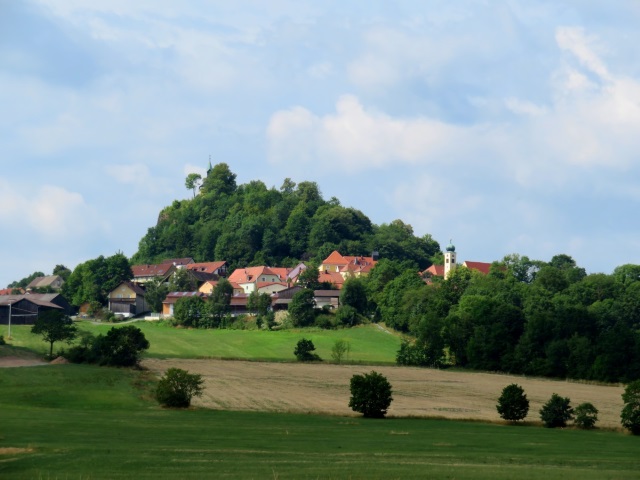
418, 392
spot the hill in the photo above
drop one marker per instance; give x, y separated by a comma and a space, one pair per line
251, 224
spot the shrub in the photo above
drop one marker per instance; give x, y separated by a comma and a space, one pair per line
121, 346
304, 351
586, 415
177, 387
2, 342
556, 412
340, 350
513, 404
370, 395
630, 415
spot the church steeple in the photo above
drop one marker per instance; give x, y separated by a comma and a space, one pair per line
210, 167
450, 262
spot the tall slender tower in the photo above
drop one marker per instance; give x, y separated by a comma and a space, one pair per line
450, 262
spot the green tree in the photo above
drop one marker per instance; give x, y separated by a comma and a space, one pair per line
177, 387
630, 415
54, 326
308, 278
220, 180
120, 347
219, 305
155, 292
189, 311
586, 415
302, 308
556, 412
348, 316
25, 281
354, 294
304, 351
370, 394
340, 350
62, 271
260, 303
513, 404
182, 280
192, 182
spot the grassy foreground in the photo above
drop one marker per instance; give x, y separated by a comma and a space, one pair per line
85, 422
369, 344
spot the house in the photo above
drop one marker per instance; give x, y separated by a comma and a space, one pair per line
271, 287
24, 309
144, 273
327, 298
282, 299
128, 299
215, 268
180, 262
249, 278
333, 278
10, 291
54, 282
168, 304
347, 265
238, 305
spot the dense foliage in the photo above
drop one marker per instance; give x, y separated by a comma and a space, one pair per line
304, 351
370, 394
630, 415
513, 404
252, 224
556, 412
177, 387
527, 317
120, 347
586, 416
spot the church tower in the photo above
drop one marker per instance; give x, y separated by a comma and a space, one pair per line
450, 262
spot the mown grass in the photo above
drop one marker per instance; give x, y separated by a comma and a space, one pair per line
86, 422
369, 344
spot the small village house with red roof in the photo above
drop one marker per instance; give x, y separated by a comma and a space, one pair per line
253, 278
144, 273
347, 265
214, 268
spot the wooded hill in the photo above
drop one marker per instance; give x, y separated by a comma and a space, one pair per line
251, 224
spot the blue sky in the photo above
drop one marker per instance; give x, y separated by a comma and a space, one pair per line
508, 126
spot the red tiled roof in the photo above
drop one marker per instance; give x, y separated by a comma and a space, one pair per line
435, 270
331, 277
481, 267
208, 267
335, 259
250, 274
151, 270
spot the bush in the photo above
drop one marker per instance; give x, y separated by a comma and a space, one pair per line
370, 395
120, 347
630, 416
556, 412
177, 387
2, 342
513, 404
304, 351
340, 350
586, 415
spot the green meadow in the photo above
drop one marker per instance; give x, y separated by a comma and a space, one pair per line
86, 422
369, 344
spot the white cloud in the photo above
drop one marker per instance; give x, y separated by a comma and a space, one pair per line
137, 174
50, 211
355, 138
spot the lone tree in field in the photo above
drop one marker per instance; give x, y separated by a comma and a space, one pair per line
54, 326
556, 412
177, 387
370, 395
513, 404
630, 416
304, 351
586, 416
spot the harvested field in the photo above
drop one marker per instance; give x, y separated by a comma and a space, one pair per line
420, 392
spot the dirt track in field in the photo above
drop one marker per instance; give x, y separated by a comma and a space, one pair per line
323, 388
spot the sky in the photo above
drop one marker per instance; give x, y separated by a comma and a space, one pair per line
505, 126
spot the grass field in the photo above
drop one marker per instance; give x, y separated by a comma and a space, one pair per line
84, 422
369, 344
